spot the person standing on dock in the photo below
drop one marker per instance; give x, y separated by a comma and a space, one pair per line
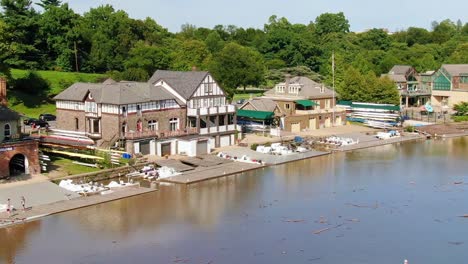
23, 203
8, 207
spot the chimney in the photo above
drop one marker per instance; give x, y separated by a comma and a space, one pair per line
322, 89
3, 92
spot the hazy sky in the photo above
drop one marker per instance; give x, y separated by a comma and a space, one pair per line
362, 14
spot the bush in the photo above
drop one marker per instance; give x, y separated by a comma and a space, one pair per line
254, 146
410, 129
33, 84
460, 118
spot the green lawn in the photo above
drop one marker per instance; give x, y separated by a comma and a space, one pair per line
33, 105
61, 80
245, 96
66, 167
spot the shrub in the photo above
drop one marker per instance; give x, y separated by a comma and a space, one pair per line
460, 118
254, 146
410, 129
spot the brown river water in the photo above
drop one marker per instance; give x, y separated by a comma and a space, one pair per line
379, 205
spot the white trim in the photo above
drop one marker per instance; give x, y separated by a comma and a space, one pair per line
170, 90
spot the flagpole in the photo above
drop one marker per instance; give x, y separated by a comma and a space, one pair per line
333, 76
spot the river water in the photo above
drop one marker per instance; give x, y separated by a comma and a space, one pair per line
378, 205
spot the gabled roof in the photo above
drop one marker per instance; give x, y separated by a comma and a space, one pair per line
6, 114
395, 77
310, 89
261, 104
400, 69
116, 93
184, 83
456, 69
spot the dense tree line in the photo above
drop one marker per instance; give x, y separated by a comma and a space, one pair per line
105, 40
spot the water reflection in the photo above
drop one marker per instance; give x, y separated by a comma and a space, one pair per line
14, 239
200, 205
240, 219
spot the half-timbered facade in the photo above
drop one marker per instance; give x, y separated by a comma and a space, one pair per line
207, 109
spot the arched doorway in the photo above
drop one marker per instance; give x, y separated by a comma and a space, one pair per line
19, 164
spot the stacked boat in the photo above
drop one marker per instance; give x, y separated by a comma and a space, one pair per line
372, 115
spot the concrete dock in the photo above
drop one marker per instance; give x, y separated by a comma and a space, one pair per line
35, 212
368, 141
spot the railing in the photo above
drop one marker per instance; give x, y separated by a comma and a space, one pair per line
91, 114
211, 110
203, 131
160, 134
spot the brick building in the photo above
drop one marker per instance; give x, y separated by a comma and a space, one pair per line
150, 117
408, 83
17, 155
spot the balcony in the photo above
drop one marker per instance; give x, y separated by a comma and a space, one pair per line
211, 110
160, 134
91, 114
94, 135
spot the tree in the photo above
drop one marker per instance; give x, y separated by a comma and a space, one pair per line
21, 27
331, 23
385, 92
375, 39
460, 55
46, 4
58, 31
236, 66
148, 58
461, 108
213, 42
189, 54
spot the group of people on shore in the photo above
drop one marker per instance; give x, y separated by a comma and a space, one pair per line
9, 208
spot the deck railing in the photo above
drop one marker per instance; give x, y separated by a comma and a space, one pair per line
160, 134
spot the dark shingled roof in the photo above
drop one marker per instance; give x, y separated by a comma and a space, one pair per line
185, 83
6, 114
116, 93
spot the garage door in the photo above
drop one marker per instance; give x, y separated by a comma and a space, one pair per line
136, 147
152, 147
202, 147
225, 141
166, 149
327, 122
338, 121
312, 123
296, 127
145, 148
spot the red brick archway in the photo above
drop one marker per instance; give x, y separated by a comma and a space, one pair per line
11, 158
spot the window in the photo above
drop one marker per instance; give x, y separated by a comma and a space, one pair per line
7, 131
139, 126
153, 125
124, 127
192, 122
91, 107
96, 126
77, 124
138, 108
287, 106
209, 88
124, 111
222, 120
174, 124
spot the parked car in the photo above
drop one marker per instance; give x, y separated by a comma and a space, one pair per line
28, 121
47, 117
40, 123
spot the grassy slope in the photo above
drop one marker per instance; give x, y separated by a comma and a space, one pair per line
33, 106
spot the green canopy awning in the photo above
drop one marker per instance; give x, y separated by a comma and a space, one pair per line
306, 103
259, 115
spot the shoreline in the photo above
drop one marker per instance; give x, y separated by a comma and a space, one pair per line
40, 211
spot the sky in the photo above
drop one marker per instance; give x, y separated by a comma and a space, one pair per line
393, 15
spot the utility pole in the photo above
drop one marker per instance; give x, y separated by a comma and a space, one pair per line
333, 76
76, 57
